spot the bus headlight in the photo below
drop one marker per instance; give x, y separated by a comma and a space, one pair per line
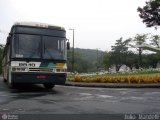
13, 69
61, 70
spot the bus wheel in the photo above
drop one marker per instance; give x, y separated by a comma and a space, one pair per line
10, 85
4, 80
48, 86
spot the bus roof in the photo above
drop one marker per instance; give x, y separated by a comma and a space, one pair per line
37, 24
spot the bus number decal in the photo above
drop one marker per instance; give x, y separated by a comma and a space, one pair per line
27, 65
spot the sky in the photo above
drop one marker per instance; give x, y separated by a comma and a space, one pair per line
97, 23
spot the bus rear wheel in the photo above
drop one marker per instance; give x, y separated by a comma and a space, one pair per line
49, 86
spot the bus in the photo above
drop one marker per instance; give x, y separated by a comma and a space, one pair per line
35, 53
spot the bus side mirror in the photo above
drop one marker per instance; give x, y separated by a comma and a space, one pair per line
68, 45
8, 40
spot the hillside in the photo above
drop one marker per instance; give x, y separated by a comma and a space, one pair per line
86, 59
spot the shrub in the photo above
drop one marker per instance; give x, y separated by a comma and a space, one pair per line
119, 78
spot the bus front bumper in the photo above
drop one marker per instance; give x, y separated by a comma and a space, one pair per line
38, 78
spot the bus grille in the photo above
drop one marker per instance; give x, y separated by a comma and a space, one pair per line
40, 70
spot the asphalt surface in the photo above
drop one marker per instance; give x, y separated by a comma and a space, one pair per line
84, 102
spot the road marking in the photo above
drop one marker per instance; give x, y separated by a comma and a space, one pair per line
105, 96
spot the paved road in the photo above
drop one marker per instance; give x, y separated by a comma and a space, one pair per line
78, 100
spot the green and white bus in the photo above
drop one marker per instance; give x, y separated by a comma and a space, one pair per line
35, 53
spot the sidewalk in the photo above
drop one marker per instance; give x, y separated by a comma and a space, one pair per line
112, 85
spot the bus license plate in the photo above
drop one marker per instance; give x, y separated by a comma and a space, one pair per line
41, 76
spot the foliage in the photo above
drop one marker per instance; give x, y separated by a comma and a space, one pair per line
151, 60
140, 39
85, 60
150, 13
120, 54
107, 60
138, 77
155, 40
131, 60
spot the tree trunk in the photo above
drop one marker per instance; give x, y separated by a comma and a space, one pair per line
118, 67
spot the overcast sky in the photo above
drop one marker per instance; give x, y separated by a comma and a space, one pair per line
97, 23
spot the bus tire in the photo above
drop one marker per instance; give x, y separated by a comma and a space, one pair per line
4, 80
10, 85
48, 86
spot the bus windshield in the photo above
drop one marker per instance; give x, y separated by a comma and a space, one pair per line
35, 46
54, 47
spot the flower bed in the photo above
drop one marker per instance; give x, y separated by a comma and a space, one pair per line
137, 79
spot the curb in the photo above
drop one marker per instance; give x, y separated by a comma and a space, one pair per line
111, 85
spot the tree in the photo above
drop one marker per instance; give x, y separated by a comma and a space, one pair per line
80, 63
140, 40
77, 60
150, 60
154, 58
130, 60
119, 53
155, 41
107, 60
150, 13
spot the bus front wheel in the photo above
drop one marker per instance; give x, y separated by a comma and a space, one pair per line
10, 85
48, 86
4, 80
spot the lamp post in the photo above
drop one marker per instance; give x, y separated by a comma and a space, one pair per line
73, 51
